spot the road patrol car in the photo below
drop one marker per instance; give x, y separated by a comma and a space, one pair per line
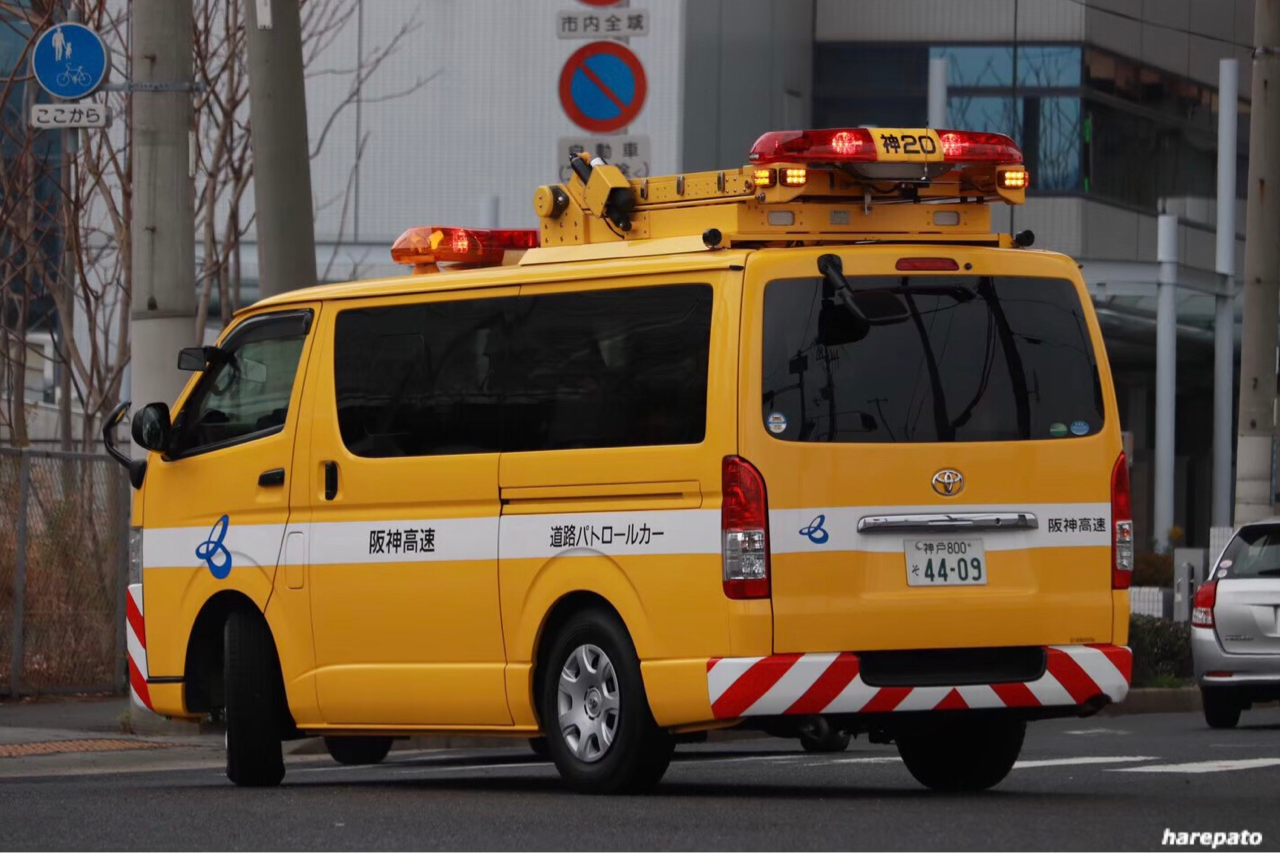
801, 446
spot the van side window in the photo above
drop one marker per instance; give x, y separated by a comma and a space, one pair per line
610, 368
247, 396
422, 379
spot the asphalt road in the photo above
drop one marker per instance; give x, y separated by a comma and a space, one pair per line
1103, 783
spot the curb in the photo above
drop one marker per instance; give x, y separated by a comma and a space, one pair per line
1156, 700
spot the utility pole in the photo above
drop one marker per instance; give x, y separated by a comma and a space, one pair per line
281, 153
1255, 487
163, 302
1166, 374
1224, 322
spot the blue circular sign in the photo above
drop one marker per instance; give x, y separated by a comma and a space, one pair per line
69, 61
603, 87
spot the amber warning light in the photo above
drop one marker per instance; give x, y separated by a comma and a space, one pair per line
440, 245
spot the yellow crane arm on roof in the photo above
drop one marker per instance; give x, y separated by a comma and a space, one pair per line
841, 183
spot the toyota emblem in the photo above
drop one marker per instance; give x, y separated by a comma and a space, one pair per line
948, 482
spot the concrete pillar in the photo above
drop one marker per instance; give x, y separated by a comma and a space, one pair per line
1166, 374
281, 156
1224, 315
163, 303
938, 92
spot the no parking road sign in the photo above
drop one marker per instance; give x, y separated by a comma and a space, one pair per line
69, 61
602, 86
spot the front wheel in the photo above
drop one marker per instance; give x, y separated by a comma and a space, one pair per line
1221, 708
962, 756
600, 732
358, 750
255, 702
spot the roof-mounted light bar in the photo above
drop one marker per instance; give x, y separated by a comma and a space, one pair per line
837, 146
443, 245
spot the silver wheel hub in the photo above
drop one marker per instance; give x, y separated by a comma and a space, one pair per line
588, 704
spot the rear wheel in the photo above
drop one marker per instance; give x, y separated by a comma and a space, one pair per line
1221, 708
963, 756
358, 750
600, 732
255, 702
821, 736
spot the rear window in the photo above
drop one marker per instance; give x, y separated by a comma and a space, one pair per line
1253, 553
944, 358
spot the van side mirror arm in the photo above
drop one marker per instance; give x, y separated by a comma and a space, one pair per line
137, 468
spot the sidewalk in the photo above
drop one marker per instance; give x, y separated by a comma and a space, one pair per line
46, 736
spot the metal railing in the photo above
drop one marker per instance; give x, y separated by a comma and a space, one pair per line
64, 525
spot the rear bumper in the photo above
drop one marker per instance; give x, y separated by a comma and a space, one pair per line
830, 683
1229, 669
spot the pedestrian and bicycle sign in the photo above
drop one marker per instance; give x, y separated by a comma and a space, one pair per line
603, 87
70, 61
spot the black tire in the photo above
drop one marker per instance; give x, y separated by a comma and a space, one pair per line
539, 747
823, 738
962, 756
358, 749
640, 751
255, 702
1221, 708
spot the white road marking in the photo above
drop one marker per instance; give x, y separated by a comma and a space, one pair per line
751, 758
1097, 732
885, 759
1203, 766
1082, 759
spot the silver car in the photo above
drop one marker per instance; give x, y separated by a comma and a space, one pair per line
1235, 627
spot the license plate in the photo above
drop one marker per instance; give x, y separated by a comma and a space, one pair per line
945, 561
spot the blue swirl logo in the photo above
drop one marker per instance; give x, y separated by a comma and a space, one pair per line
214, 554
814, 531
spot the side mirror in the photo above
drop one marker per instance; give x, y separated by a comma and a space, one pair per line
151, 427
192, 359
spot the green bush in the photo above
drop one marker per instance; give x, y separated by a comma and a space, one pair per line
1161, 651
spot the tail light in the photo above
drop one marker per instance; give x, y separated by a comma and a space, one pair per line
1202, 604
1122, 524
744, 526
936, 264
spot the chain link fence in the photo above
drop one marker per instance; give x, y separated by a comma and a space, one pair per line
64, 523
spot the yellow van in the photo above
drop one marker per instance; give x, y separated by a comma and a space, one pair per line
800, 446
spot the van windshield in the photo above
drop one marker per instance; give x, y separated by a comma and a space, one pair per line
931, 359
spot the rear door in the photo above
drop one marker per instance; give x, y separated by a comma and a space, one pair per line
1247, 612
940, 478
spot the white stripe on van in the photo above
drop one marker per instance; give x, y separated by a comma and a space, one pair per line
614, 534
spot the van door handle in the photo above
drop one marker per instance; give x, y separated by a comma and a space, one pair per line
274, 477
330, 480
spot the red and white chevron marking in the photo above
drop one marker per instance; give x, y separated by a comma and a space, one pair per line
829, 683
136, 638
